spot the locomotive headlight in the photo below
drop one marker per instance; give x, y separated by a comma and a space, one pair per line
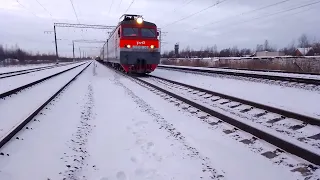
128, 46
152, 46
139, 20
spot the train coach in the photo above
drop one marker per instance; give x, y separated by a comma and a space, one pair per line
133, 46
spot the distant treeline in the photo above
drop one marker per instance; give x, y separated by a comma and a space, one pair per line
16, 55
303, 42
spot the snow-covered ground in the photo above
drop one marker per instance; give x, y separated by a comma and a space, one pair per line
105, 126
292, 99
249, 72
19, 106
4, 69
282, 130
8, 84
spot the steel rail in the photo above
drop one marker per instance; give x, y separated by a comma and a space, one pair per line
13, 91
18, 128
251, 75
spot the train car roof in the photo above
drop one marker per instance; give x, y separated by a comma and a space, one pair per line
147, 23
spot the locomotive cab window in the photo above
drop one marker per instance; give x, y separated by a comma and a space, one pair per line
148, 32
132, 32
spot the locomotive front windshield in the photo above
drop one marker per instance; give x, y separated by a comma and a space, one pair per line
132, 32
147, 32
139, 32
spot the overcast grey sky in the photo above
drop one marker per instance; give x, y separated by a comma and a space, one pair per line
25, 25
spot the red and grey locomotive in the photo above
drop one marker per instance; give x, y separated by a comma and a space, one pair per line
133, 46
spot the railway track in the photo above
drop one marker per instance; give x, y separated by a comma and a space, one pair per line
300, 81
13, 91
290, 133
11, 132
27, 71
295, 133
266, 70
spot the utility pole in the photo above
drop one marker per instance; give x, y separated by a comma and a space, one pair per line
55, 41
67, 25
161, 33
80, 52
160, 40
73, 50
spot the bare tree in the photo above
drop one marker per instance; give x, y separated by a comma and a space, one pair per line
303, 41
259, 47
235, 51
2, 54
266, 45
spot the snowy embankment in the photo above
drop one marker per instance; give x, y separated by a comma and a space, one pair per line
105, 126
8, 84
19, 106
306, 76
288, 98
4, 69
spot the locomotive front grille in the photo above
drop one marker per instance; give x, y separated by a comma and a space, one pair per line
139, 58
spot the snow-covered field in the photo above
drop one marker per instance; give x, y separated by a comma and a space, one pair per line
249, 72
8, 84
4, 69
105, 126
292, 99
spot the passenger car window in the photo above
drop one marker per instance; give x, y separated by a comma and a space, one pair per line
130, 32
146, 32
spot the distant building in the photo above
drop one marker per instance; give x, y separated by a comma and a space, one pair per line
269, 54
176, 50
305, 52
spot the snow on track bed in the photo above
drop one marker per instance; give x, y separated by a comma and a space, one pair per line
310, 84
226, 147
291, 130
21, 105
8, 84
96, 140
105, 126
291, 99
41, 150
23, 72
5, 69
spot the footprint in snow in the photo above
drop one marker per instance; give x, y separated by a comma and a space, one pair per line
145, 173
150, 144
121, 176
141, 123
140, 141
133, 159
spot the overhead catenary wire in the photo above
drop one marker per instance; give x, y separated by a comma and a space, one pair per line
129, 6
119, 4
74, 10
27, 9
224, 32
247, 12
195, 13
75, 13
46, 10
183, 4
276, 13
110, 6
